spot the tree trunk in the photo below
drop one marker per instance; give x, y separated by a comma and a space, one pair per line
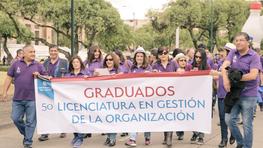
9, 56
192, 37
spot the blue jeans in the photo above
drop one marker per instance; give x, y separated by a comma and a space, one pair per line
245, 106
134, 135
112, 136
223, 126
79, 136
25, 109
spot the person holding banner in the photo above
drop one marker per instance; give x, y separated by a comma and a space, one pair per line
23, 72
111, 62
77, 69
55, 67
248, 61
199, 63
125, 64
183, 66
140, 65
164, 64
94, 59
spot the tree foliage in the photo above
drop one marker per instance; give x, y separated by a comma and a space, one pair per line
203, 20
96, 19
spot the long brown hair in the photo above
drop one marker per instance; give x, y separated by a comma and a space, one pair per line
91, 52
71, 68
145, 61
115, 60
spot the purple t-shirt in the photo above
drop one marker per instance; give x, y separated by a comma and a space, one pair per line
114, 71
92, 66
80, 74
170, 67
221, 92
245, 63
136, 69
24, 79
125, 66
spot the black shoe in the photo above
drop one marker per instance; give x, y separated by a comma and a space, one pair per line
200, 141
223, 143
107, 141
27, 146
43, 138
112, 143
193, 139
239, 146
87, 135
62, 135
181, 137
232, 140
102, 134
124, 134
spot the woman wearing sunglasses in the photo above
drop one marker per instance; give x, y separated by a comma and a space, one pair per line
164, 64
111, 62
199, 63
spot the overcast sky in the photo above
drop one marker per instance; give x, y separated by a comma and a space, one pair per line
130, 9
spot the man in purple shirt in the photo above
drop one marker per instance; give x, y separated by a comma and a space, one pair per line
55, 67
247, 61
23, 72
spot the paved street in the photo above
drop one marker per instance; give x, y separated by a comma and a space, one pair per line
10, 137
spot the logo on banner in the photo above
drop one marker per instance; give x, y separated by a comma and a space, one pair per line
44, 87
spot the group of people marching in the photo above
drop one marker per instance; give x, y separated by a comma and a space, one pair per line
239, 56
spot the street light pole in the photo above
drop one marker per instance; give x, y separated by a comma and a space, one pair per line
72, 27
211, 25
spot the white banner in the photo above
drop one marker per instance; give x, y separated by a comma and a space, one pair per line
148, 102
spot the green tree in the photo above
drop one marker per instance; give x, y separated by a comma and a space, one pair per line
97, 19
202, 19
8, 31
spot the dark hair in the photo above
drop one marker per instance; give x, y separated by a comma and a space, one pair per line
19, 50
203, 65
244, 34
115, 61
161, 49
52, 46
154, 52
144, 64
177, 51
120, 54
201, 46
91, 52
71, 69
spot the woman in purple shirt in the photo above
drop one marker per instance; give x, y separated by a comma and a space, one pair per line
199, 63
164, 64
221, 93
112, 64
140, 65
94, 59
124, 64
77, 69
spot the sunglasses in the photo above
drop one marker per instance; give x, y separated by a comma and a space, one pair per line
109, 59
198, 57
163, 53
182, 60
